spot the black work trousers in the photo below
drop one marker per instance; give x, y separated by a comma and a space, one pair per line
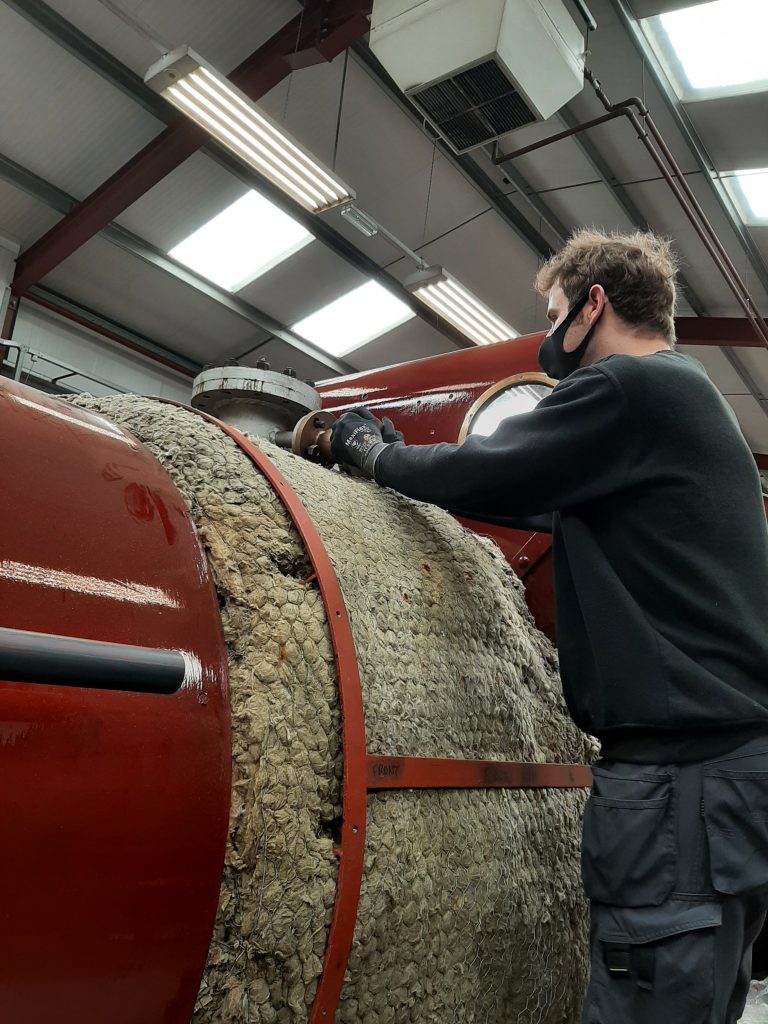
675, 865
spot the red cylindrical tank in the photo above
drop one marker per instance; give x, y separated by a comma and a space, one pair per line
115, 801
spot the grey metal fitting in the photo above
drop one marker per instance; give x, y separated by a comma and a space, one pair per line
257, 401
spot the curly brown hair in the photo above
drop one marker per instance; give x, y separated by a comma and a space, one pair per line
636, 270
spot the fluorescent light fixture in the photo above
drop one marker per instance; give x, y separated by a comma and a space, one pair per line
245, 240
714, 49
210, 99
454, 303
749, 190
354, 319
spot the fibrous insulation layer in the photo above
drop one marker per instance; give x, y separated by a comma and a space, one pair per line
471, 907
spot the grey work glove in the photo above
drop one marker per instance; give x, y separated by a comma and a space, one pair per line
387, 427
357, 441
388, 433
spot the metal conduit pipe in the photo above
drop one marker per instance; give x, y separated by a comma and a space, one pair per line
683, 191
673, 176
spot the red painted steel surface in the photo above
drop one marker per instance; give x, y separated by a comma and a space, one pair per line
115, 805
447, 773
428, 400
722, 331
351, 850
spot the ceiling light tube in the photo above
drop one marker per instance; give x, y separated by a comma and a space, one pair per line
453, 302
210, 99
432, 297
470, 307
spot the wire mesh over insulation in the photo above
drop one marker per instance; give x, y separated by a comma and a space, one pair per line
471, 907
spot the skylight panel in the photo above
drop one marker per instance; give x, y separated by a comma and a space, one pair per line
755, 187
242, 242
749, 189
354, 319
714, 49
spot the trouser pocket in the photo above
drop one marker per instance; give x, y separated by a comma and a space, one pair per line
735, 806
628, 843
653, 965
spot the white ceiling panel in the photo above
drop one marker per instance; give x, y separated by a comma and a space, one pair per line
760, 236
666, 216
589, 205
558, 164
182, 202
63, 122
386, 159
412, 340
118, 285
225, 33
752, 420
720, 371
22, 218
721, 124
302, 284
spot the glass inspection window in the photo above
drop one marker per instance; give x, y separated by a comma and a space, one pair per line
508, 397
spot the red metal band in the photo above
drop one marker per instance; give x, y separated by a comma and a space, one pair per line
447, 773
353, 795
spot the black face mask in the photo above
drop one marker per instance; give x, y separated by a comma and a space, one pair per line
553, 359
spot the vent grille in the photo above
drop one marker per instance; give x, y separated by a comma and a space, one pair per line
474, 106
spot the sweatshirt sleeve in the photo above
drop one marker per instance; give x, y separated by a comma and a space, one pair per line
574, 447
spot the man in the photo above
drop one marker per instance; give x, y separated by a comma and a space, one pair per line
661, 571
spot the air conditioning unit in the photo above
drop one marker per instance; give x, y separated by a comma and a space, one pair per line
479, 69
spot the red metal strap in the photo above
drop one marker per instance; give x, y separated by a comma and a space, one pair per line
447, 773
353, 795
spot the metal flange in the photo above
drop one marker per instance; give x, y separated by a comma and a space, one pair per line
257, 401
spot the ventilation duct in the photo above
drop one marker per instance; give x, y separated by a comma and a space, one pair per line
478, 71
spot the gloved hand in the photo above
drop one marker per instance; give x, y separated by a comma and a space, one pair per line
388, 432
387, 427
356, 440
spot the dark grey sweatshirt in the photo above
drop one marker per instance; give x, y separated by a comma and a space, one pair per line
659, 540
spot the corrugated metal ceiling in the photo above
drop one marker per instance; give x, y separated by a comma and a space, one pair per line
72, 128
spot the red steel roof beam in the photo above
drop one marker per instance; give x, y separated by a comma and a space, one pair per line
722, 331
319, 33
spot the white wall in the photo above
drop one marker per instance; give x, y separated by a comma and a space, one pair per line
59, 338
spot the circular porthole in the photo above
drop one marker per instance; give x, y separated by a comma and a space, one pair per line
508, 397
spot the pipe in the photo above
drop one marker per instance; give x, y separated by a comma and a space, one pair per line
51, 660
675, 179
586, 14
685, 196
